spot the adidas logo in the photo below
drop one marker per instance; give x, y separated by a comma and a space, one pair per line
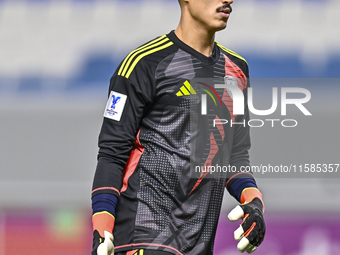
186, 90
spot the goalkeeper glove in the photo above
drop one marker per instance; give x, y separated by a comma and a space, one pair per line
103, 223
251, 232
102, 245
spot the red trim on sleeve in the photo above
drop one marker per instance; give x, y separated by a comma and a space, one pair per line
132, 162
103, 188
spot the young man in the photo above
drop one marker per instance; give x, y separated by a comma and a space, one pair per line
144, 196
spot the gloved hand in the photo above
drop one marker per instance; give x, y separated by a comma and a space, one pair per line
251, 232
102, 245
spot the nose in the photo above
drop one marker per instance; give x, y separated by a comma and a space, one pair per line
227, 1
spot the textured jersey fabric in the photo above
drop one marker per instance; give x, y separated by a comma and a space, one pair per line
145, 158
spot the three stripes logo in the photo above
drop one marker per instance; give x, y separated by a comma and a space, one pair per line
186, 90
135, 56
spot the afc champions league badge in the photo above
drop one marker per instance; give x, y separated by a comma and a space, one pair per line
115, 106
115, 100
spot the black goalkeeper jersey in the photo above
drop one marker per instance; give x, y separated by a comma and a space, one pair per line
147, 141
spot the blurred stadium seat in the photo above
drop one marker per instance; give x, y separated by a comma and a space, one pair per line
60, 39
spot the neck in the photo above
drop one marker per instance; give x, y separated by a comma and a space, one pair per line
196, 37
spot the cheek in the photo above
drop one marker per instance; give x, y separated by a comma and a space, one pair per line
203, 11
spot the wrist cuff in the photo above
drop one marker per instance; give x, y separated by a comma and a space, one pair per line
248, 194
103, 221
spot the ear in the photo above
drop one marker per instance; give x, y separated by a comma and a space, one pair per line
182, 3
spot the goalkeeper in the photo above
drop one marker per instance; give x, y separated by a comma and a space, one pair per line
145, 199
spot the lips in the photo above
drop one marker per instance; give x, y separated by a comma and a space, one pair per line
226, 11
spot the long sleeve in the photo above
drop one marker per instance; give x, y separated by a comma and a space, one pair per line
116, 138
239, 159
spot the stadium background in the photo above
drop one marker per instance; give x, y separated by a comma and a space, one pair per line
56, 58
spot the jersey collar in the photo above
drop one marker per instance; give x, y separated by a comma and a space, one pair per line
206, 60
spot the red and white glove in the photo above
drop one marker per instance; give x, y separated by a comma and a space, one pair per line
251, 232
103, 223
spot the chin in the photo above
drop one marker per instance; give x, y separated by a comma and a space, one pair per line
216, 25
221, 26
